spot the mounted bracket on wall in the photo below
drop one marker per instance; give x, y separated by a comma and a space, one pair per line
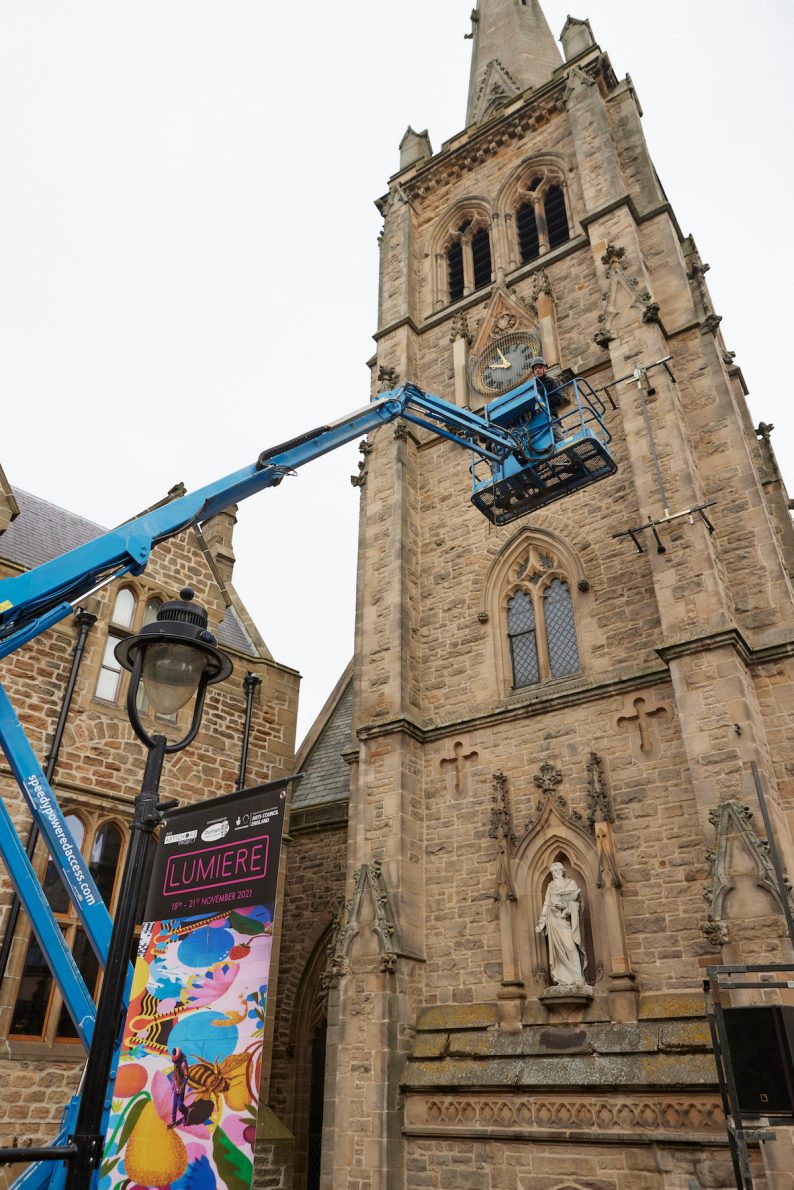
644, 387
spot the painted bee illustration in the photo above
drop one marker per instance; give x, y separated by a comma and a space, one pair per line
226, 1080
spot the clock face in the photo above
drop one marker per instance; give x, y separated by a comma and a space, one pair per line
505, 364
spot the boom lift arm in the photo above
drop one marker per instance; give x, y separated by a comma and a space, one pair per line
34, 601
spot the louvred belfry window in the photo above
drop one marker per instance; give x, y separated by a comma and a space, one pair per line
455, 271
481, 257
468, 257
527, 228
556, 217
540, 215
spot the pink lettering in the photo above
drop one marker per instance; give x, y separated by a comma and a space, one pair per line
215, 866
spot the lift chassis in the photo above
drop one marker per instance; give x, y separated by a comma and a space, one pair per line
523, 457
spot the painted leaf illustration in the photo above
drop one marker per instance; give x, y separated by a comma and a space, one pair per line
245, 925
109, 1166
130, 1122
233, 1166
199, 1175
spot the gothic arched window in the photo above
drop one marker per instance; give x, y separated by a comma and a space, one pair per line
39, 1013
129, 615
121, 618
540, 214
468, 257
541, 628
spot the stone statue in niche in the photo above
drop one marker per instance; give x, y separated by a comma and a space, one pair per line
561, 922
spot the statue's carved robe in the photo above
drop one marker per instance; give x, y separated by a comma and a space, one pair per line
561, 919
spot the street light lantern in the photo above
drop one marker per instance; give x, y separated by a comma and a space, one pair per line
171, 674
176, 656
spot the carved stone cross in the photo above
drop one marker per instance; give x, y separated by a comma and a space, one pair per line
459, 776
644, 720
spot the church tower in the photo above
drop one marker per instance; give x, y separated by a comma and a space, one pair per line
554, 721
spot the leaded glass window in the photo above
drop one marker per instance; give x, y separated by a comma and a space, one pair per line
107, 686
124, 608
560, 629
523, 642
39, 1013
129, 615
541, 628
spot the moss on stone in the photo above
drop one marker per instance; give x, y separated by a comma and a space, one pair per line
470, 1044
685, 1035
457, 1016
661, 1006
429, 1045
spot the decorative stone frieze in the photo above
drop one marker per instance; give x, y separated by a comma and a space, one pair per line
604, 1113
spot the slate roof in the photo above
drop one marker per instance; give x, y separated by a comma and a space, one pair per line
327, 776
42, 531
232, 632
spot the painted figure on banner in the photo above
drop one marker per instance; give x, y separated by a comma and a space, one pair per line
561, 922
179, 1086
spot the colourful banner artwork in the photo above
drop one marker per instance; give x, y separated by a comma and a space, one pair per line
185, 1099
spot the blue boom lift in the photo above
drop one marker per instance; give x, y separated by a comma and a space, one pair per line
523, 458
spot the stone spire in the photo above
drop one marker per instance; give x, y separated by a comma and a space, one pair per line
513, 49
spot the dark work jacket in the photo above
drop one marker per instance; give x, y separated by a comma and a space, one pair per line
547, 387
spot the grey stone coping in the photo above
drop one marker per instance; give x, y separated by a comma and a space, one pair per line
563, 1072
549, 1041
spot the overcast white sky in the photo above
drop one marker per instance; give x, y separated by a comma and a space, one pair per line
188, 242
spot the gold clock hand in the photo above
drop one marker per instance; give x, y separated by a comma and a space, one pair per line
505, 362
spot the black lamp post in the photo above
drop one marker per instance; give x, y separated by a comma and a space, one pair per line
176, 657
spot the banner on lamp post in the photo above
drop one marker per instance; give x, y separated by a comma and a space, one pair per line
186, 1093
